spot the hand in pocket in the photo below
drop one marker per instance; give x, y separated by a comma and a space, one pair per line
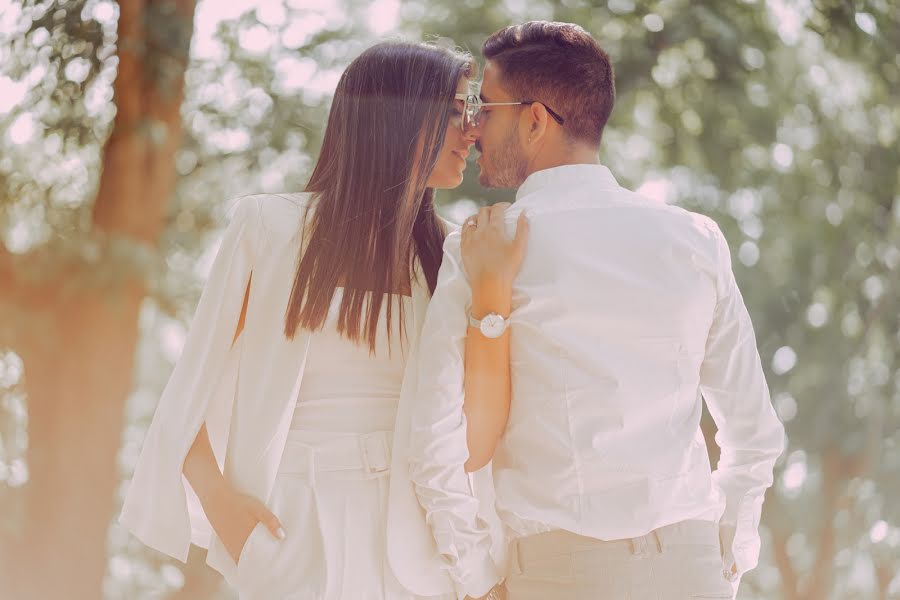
233, 516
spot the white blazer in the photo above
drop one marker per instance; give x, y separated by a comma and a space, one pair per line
246, 393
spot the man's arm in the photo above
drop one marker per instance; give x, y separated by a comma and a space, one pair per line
438, 444
750, 435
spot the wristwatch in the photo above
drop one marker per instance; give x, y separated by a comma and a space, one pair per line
491, 326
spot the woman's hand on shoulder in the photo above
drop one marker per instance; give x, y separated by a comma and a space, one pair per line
489, 256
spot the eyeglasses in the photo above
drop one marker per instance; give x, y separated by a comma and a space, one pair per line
474, 108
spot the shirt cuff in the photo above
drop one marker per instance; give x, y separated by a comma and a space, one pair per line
478, 580
743, 549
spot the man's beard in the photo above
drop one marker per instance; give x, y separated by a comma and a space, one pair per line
507, 166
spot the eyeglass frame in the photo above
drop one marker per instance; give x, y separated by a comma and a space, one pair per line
473, 100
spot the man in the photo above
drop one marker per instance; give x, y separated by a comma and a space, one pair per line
625, 312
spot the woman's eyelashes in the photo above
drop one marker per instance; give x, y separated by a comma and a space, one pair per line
455, 114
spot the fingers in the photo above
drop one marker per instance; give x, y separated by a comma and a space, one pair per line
484, 216
523, 226
267, 518
520, 242
496, 213
466, 230
494, 216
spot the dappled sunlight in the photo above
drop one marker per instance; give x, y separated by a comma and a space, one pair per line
13, 424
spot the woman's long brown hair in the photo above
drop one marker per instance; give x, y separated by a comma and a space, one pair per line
372, 216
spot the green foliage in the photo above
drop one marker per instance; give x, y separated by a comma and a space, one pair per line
779, 119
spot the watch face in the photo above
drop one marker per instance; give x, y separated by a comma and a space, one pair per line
492, 326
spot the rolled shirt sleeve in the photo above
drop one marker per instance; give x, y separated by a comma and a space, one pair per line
438, 448
750, 435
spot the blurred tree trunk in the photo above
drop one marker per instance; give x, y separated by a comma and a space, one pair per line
79, 364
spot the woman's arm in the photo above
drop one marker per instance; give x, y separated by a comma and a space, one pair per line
202, 471
492, 261
200, 466
231, 514
487, 383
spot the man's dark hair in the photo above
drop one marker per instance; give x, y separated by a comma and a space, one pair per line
561, 66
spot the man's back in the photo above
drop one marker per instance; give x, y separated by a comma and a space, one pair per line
614, 317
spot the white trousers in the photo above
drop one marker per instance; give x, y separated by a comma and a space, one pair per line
331, 496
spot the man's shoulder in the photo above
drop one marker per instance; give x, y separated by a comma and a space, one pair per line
688, 219
676, 219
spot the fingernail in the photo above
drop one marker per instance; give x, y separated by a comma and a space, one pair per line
280, 533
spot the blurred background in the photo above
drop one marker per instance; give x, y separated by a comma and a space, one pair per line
126, 128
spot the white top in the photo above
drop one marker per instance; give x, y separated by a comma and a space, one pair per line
345, 388
625, 312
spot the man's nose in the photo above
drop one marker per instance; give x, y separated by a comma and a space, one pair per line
472, 133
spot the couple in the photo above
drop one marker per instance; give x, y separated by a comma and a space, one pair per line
355, 365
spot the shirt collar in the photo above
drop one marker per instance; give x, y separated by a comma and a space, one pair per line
595, 175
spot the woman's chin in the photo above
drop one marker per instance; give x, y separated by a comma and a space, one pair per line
447, 183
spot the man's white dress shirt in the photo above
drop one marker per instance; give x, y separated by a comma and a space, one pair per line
625, 313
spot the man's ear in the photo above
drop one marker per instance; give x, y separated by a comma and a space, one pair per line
538, 118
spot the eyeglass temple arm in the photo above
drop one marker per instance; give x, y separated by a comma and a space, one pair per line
552, 112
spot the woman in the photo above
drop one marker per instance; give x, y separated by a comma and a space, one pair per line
272, 443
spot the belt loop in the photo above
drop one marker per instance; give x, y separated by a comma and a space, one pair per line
515, 561
375, 451
659, 541
640, 546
